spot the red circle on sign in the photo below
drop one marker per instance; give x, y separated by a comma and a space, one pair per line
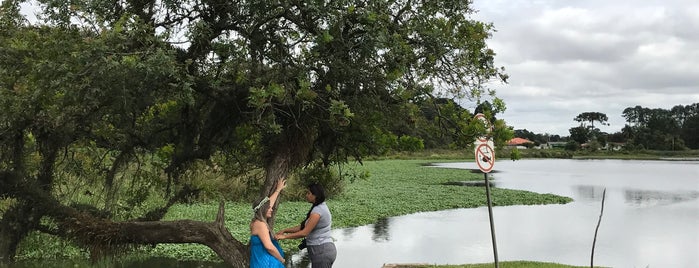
485, 157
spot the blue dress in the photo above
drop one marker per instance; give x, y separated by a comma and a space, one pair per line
260, 258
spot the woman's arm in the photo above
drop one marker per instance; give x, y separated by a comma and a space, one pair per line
297, 232
290, 230
260, 229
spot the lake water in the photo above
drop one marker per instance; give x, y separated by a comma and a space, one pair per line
651, 219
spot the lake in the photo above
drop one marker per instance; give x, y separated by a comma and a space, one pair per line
651, 219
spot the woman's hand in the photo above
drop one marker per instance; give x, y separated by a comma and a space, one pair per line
281, 184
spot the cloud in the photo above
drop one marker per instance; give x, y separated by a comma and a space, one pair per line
569, 57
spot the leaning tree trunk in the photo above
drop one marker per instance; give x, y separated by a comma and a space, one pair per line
15, 226
103, 235
23, 216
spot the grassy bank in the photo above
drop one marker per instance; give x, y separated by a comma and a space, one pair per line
393, 188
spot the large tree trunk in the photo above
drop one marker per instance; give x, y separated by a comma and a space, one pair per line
290, 152
278, 168
23, 216
103, 235
15, 226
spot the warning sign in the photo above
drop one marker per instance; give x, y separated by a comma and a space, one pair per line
484, 147
485, 156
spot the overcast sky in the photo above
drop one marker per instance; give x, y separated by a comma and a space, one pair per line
566, 57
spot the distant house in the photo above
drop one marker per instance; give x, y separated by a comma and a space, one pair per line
519, 143
556, 144
615, 146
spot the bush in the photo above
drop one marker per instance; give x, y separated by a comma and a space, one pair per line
317, 173
410, 144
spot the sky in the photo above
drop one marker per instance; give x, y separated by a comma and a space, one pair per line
566, 57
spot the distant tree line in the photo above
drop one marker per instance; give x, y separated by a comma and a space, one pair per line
660, 129
646, 128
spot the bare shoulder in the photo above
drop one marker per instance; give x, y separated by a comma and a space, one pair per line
256, 226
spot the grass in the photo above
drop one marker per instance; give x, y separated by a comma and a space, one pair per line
393, 188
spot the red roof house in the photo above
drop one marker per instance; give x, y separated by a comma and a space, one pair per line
518, 141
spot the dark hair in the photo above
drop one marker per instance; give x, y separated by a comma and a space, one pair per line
317, 190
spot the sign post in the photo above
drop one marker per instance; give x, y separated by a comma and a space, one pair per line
485, 160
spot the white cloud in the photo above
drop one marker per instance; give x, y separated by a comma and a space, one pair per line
569, 57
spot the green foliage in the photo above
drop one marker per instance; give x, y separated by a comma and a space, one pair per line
537, 138
661, 129
515, 154
580, 134
591, 117
103, 105
572, 145
410, 144
331, 181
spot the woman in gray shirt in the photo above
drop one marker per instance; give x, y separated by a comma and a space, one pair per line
315, 229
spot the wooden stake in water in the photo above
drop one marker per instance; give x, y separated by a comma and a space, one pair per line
599, 221
492, 224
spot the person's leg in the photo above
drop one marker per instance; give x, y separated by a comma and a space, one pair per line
322, 256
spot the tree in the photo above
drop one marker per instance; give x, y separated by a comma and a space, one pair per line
591, 117
103, 92
579, 134
688, 119
584, 132
690, 132
659, 129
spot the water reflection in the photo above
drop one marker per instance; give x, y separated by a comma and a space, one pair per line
643, 198
299, 259
590, 192
638, 198
381, 233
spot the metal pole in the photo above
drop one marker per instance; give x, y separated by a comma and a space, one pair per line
492, 224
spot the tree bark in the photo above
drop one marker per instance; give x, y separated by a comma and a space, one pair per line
14, 226
289, 152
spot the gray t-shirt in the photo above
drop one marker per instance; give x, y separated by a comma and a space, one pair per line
321, 233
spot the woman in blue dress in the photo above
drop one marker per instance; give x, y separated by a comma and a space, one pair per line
265, 251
